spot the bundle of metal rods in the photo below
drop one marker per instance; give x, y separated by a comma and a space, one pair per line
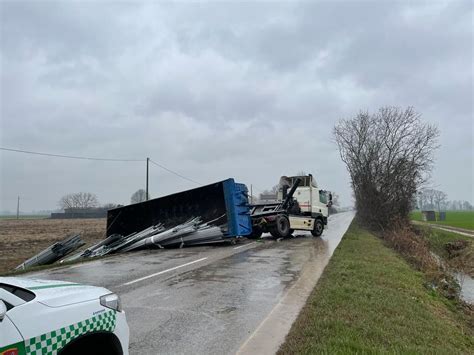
115, 243
191, 232
54, 252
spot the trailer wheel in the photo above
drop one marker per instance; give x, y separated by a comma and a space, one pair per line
281, 228
256, 233
318, 228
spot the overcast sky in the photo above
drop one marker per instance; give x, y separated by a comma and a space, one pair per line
217, 90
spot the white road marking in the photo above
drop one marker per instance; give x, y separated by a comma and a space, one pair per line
162, 272
241, 246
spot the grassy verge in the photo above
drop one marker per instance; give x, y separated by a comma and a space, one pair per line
370, 300
459, 219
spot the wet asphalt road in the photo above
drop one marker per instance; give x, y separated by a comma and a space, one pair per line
204, 300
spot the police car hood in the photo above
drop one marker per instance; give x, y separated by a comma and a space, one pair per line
55, 293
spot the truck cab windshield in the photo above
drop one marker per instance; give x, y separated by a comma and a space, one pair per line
323, 196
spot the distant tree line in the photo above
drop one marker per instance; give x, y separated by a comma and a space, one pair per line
431, 199
83, 200
79, 200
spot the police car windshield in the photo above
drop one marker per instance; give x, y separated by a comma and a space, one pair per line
25, 295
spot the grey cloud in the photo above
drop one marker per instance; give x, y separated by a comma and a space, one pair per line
213, 90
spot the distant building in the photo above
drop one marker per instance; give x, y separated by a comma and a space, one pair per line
92, 212
428, 216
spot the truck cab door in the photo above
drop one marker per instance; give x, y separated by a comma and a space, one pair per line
11, 341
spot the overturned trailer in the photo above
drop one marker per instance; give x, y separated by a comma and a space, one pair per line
223, 204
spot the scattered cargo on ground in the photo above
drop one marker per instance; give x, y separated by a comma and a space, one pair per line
54, 252
192, 232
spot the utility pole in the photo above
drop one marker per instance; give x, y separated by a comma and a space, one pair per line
147, 163
18, 208
251, 194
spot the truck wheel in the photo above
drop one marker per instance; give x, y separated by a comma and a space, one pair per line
281, 228
256, 233
318, 228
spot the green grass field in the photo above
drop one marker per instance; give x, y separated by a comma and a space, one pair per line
460, 219
370, 301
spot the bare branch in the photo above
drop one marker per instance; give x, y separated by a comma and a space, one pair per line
388, 156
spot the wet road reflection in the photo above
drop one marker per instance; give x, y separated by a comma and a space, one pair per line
211, 306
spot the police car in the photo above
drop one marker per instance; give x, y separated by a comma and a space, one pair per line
56, 317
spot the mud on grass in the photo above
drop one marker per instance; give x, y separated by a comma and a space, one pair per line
23, 238
370, 300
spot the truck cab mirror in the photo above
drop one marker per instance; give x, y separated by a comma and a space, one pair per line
3, 310
330, 197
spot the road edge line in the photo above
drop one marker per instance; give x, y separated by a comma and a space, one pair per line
162, 272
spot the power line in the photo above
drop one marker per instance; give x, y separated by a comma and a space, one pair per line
67, 156
175, 173
99, 159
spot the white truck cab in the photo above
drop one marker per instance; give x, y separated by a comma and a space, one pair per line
300, 205
311, 199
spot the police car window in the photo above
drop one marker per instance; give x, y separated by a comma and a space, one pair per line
25, 295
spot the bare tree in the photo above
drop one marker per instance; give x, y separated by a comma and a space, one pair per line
439, 198
427, 197
79, 200
431, 199
388, 155
138, 196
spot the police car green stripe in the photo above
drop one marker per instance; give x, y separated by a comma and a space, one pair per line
50, 343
